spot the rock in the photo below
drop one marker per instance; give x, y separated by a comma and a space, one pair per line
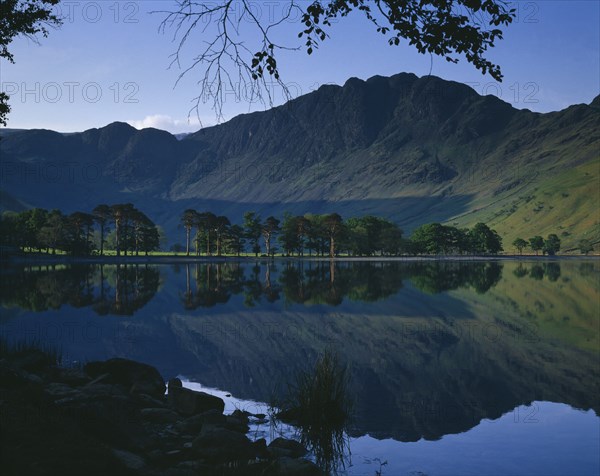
193, 468
160, 415
287, 448
173, 454
130, 460
241, 416
72, 376
155, 456
238, 421
194, 424
60, 390
175, 382
235, 424
147, 401
11, 374
135, 376
261, 449
114, 419
220, 445
102, 390
296, 467
190, 402
181, 472
34, 360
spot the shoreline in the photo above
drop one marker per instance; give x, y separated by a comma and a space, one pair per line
121, 417
50, 259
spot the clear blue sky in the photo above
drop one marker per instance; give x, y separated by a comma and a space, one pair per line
108, 62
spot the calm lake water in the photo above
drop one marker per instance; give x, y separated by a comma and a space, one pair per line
456, 368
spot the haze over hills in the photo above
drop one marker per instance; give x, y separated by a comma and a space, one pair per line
413, 149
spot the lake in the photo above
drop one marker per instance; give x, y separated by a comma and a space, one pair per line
455, 367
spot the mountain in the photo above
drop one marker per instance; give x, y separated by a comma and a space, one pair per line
412, 149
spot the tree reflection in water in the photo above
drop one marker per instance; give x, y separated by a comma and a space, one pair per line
328, 283
539, 271
107, 289
122, 289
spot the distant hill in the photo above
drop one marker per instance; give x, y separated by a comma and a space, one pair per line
412, 149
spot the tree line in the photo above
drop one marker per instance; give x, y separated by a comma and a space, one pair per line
125, 229
549, 246
81, 233
329, 235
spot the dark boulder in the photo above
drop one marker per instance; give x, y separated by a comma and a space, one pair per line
159, 415
283, 447
194, 424
189, 402
220, 445
135, 376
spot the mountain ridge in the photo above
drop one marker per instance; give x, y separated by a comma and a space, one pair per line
397, 139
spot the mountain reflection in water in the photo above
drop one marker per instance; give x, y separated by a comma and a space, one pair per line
432, 348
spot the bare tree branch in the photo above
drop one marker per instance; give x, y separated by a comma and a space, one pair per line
239, 57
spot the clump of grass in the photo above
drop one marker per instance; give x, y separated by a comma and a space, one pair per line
318, 402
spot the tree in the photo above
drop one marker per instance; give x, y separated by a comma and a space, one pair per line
552, 244
102, 215
221, 224
357, 237
484, 240
52, 234
449, 29
188, 220
519, 244
120, 214
79, 227
391, 239
585, 246
536, 243
430, 238
289, 234
205, 223
252, 230
28, 18
9, 228
235, 239
34, 220
457, 239
334, 226
269, 228
369, 235
302, 229
149, 237
144, 232
315, 234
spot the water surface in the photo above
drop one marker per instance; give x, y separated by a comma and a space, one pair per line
456, 367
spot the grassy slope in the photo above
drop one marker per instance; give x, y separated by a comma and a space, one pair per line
566, 310
565, 203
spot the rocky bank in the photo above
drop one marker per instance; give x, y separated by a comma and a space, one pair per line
115, 418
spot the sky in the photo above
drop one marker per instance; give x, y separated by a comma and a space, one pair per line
109, 62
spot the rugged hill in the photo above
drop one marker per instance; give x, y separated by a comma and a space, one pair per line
412, 149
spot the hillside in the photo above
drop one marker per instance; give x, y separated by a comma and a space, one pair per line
412, 149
